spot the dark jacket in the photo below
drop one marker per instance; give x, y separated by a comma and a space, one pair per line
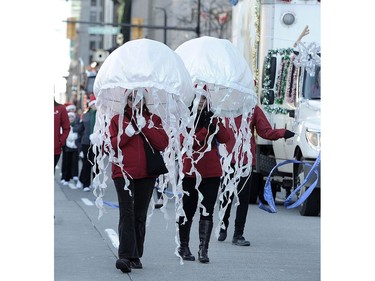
132, 148
85, 127
75, 128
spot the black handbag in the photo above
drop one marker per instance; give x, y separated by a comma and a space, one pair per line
155, 162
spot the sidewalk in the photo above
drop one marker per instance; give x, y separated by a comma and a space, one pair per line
83, 250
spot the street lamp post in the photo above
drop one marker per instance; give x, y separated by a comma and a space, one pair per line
198, 31
165, 23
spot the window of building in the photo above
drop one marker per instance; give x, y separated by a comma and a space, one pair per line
92, 45
93, 16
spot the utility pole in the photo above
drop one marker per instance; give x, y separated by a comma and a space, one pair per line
198, 31
165, 23
126, 19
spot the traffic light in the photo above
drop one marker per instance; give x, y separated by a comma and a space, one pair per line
71, 30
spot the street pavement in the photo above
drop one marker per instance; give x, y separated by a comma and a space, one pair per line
284, 246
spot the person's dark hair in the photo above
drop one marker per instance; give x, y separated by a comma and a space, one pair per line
145, 109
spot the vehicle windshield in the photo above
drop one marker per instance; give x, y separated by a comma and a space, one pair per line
311, 85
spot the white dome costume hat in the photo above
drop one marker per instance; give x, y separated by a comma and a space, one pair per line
149, 69
218, 65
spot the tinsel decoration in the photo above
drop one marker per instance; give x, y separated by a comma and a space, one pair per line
282, 80
308, 57
256, 44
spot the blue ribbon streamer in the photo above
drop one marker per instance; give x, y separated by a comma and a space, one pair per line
268, 190
110, 204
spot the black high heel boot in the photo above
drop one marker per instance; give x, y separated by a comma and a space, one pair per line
205, 229
183, 250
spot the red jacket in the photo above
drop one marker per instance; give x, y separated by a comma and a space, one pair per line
132, 148
209, 165
258, 123
61, 127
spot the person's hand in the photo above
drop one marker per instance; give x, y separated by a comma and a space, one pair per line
81, 155
130, 131
288, 134
212, 126
141, 122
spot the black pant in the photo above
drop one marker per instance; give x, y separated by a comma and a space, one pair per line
69, 165
209, 188
56, 158
243, 189
87, 164
133, 214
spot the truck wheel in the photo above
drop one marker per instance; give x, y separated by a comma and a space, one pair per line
311, 206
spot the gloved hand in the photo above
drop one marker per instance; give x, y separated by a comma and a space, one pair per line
212, 126
288, 134
130, 131
141, 122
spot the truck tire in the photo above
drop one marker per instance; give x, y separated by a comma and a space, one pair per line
311, 206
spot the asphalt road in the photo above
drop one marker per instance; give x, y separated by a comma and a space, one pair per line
284, 246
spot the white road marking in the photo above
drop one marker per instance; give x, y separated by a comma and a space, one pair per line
113, 237
87, 202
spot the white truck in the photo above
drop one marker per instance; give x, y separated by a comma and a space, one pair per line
288, 64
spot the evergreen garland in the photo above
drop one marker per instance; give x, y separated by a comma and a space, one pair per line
281, 84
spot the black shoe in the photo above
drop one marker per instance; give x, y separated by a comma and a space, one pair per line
136, 263
240, 241
185, 253
222, 235
124, 265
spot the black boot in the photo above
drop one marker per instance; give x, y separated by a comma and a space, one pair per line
205, 229
183, 250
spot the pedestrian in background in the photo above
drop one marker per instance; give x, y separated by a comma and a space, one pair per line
75, 164
61, 130
86, 128
258, 122
134, 201
210, 170
70, 152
